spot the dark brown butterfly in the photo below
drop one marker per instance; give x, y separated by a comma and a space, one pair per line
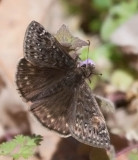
54, 83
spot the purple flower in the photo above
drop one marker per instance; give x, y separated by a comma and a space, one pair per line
87, 61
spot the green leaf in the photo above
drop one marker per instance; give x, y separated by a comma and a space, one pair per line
19, 139
121, 79
95, 25
37, 139
20, 146
133, 156
118, 14
102, 4
7, 148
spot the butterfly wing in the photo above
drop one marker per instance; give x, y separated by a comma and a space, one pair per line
41, 87
43, 50
52, 112
32, 80
38, 76
86, 122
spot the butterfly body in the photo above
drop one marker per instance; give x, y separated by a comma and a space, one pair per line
54, 83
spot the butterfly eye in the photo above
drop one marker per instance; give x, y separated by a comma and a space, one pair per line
84, 65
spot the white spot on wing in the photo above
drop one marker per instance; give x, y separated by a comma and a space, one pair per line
28, 83
52, 120
48, 116
43, 32
25, 77
35, 57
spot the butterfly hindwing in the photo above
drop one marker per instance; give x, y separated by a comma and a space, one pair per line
86, 122
43, 50
58, 124
52, 111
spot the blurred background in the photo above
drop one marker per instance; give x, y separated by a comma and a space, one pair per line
111, 26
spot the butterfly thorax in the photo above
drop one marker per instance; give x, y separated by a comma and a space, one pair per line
78, 75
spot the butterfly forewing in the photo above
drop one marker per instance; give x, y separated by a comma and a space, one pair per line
86, 122
43, 50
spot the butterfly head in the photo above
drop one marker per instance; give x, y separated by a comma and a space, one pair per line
88, 68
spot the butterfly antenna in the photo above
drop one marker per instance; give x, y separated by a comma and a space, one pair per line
88, 51
96, 73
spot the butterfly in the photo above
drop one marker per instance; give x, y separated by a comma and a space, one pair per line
55, 85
